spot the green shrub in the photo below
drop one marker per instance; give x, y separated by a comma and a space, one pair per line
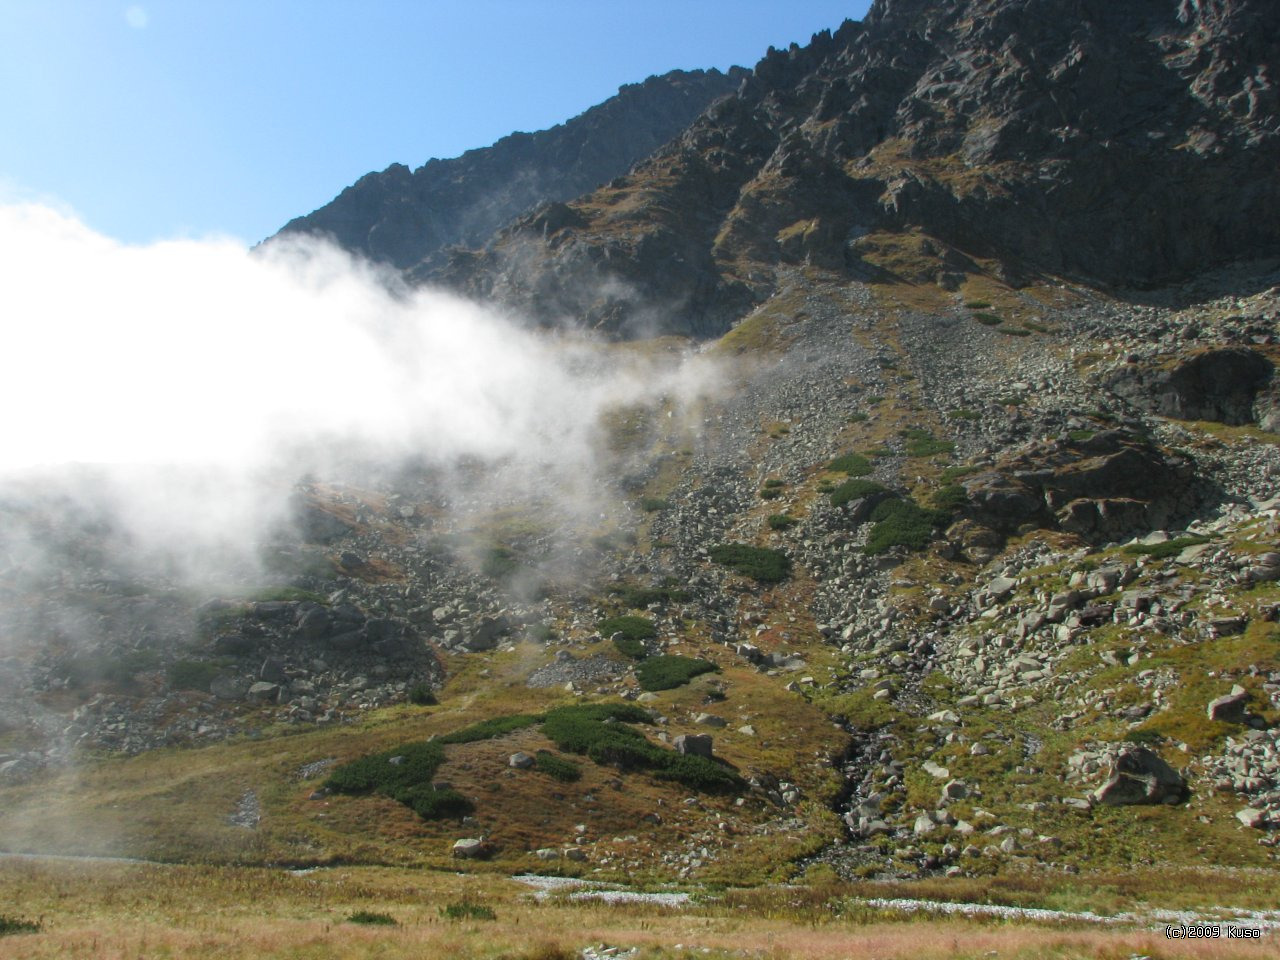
654, 504
1080, 436
491, 729
432, 804
951, 474
668, 672
857, 417
192, 674
759, 563
1014, 331
902, 523
540, 633
780, 521
963, 413
628, 647
873, 399
853, 464
770, 493
558, 768
371, 918
467, 911
1162, 551
774, 482
499, 563
950, 498
920, 443
987, 319
10, 925
422, 695
978, 305
600, 732
855, 489
629, 633
418, 764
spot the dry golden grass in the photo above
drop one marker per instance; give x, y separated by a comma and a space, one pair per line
110, 911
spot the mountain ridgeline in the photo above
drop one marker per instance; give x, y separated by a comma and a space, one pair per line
405, 218
1122, 145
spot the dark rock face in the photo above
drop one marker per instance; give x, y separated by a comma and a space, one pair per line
1220, 385
1104, 488
1141, 777
403, 217
1121, 144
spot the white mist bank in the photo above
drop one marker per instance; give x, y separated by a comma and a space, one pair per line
188, 372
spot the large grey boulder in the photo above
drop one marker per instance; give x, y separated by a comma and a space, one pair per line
1139, 776
693, 744
1230, 707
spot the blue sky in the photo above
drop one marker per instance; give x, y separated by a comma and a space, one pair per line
172, 118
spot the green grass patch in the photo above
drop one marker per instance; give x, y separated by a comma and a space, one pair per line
853, 464
372, 918
759, 563
1014, 331
857, 417
770, 493
902, 523
921, 443
978, 305
855, 488
654, 504
1080, 436
669, 672
988, 319
780, 521
558, 768
1162, 551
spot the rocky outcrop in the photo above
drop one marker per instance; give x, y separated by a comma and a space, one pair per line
1121, 144
1223, 385
404, 217
1139, 776
1102, 487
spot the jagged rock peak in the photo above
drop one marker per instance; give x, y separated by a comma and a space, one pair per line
403, 217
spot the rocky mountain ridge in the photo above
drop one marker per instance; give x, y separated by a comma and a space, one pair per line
406, 217
1123, 145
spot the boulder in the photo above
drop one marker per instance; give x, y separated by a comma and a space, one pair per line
693, 744
470, 848
264, 692
1139, 776
520, 761
1230, 707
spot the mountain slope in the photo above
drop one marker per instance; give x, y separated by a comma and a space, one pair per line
401, 217
1120, 144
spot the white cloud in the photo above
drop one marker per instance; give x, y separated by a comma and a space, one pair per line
198, 359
